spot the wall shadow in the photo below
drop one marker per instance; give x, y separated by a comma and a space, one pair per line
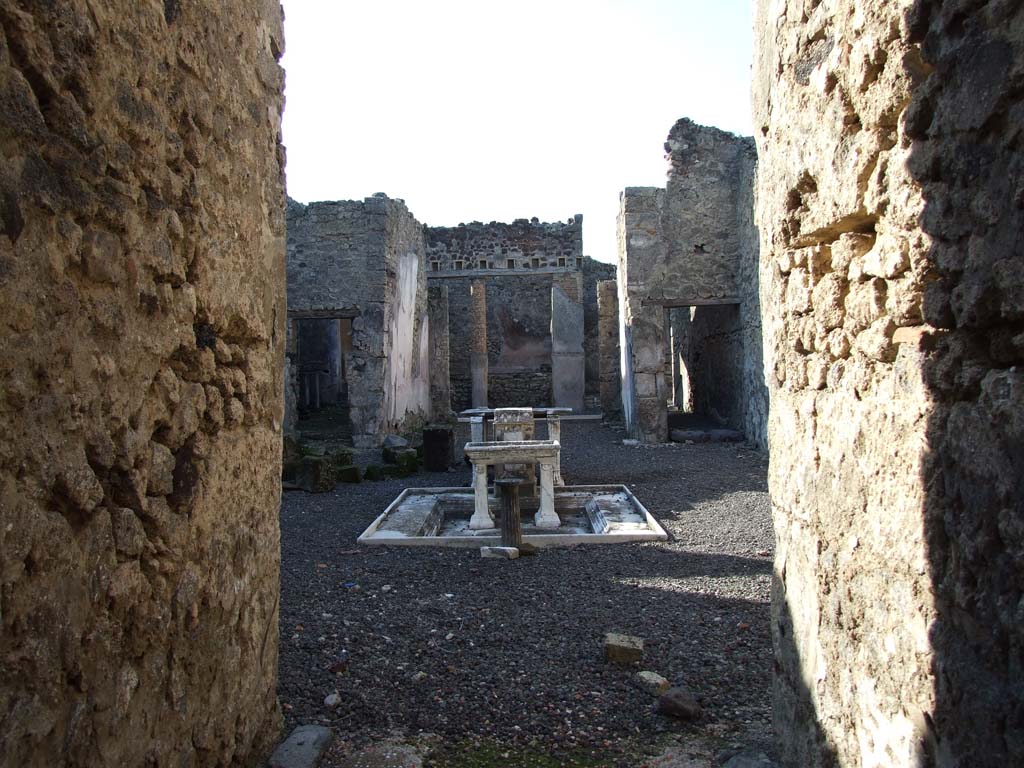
966, 123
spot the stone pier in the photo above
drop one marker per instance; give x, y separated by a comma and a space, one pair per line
478, 341
567, 364
608, 347
440, 386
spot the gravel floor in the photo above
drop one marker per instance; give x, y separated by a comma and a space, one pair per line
507, 656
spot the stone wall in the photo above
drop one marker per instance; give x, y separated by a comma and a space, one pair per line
890, 206
142, 323
519, 263
690, 244
594, 272
440, 374
363, 260
518, 339
608, 348
522, 245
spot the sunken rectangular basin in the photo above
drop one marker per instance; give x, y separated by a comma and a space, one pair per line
439, 517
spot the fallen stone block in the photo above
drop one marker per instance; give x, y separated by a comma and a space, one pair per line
316, 474
651, 682
349, 474
407, 460
679, 703
623, 649
499, 553
303, 748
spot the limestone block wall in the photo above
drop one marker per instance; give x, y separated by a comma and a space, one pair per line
142, 324
691, 244
889, 203
363, 259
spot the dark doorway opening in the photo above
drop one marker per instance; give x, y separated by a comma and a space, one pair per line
324, 348
705, 366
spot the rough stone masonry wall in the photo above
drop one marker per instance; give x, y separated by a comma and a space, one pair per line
518, 341
692, 243
521, 245
142, 324
594, 272
891, 188
363, 259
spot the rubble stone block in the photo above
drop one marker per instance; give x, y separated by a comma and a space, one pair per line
623, 649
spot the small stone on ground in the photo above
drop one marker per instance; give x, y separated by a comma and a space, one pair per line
499, 553
652, 682
303, 748
679, 703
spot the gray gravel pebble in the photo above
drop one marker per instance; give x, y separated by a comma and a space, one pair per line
523, 665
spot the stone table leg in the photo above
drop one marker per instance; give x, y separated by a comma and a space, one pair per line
481, 514
546, 516
555, 433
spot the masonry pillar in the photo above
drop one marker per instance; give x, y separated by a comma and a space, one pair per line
608, 347
478, 340
567, 363
440, 375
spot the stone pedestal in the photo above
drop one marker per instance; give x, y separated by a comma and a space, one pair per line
478, 341
515, 425
568, 372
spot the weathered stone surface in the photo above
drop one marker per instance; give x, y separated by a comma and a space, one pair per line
440, 370
679, 703
623, 649
608, 348
521, 262
693, 244
304, 748
141, 236
568, 372
316, 474
652, 683
889, 209
499, 553
363, 260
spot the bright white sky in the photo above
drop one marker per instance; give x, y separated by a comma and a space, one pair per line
479, 110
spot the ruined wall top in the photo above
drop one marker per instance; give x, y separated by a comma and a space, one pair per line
336, 252
690, 145
522, 245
